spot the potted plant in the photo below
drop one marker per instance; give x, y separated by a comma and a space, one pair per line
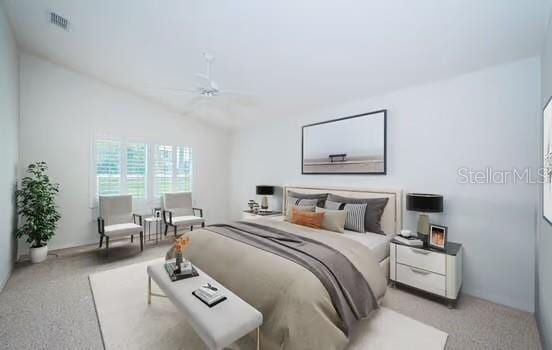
36, 203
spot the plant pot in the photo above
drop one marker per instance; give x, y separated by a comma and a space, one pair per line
38, 254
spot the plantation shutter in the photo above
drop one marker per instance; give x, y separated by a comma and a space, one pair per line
136, 169
108, 167
183, 169
163, 169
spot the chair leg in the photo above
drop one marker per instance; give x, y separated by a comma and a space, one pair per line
131, 238
166, 229
101, 241
202, 224
191, 227
107, 246
141, 241
175, 231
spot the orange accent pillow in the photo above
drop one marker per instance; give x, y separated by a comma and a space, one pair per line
306, 218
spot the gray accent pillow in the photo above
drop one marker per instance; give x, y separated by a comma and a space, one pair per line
374, 210
309, 208
334, 220
356, 214
321, 197
302, 202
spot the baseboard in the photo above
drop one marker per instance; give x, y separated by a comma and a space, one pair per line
5, 280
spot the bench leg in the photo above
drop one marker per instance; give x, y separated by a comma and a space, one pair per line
149, 290
258, 338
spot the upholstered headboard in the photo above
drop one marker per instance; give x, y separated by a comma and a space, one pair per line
391, 219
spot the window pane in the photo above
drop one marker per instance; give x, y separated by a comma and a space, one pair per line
163, 169
136, 169
108, 167
183, 169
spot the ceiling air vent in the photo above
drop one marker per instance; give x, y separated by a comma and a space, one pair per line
59, 21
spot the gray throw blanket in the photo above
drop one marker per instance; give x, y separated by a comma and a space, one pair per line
350, 293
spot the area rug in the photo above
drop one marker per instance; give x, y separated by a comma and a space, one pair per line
127, 322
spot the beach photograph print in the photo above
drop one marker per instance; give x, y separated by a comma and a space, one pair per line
351, 145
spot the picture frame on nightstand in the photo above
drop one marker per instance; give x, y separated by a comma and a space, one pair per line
437, 236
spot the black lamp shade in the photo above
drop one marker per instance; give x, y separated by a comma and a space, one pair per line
265, 190
424, 202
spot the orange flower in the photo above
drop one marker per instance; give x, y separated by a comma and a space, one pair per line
181, 243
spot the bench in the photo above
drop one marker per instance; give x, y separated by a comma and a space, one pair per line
218, 326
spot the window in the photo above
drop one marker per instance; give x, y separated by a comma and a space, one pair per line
136, 176
141, 170
183, 169
108, 167
163, 172
172, 169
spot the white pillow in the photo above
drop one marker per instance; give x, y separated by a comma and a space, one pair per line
334, 220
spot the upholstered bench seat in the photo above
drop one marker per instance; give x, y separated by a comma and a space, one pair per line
218, 326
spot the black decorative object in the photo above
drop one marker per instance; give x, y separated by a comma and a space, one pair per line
350, 145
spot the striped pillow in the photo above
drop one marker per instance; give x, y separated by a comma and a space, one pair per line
356, 214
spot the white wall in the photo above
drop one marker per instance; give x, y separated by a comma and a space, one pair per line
544, 232
61, 111
486, 118
9, 120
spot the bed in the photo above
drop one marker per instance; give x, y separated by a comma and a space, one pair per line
391, 219
301, 308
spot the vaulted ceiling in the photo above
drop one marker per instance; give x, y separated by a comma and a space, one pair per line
288, 57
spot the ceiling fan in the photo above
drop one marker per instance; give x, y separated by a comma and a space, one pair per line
208, 87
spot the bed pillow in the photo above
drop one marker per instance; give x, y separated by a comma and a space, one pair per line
374, 210
320, 197
306, 208
356, 214
305, 218
334, 220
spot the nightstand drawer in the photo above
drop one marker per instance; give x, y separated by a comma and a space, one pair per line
425, 280
420, 258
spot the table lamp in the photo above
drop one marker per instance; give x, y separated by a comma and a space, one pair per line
265, 191
424, 203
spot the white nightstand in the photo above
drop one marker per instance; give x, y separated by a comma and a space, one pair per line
249, 215
433, 271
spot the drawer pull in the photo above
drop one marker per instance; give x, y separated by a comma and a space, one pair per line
419, 251
421, 272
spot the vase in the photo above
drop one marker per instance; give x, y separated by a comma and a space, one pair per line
38, 254
178, 262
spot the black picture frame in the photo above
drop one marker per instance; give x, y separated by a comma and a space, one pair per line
545, 187
384, 172
430, 242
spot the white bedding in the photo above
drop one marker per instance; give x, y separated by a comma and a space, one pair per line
378, 244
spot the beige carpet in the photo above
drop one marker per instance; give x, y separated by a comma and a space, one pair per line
127, 322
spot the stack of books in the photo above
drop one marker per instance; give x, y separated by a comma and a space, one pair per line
187, 270
209, 295
411, 241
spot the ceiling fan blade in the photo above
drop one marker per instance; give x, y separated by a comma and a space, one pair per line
171, 90
202, 76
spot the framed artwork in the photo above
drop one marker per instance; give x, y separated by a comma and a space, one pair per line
350, 145
547, 162
437, 236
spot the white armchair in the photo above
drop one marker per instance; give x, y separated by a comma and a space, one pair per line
116, 220
178, 211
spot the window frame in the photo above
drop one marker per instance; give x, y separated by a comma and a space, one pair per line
151, 199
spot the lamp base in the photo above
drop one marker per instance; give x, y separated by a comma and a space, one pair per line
264, 203
423, 229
